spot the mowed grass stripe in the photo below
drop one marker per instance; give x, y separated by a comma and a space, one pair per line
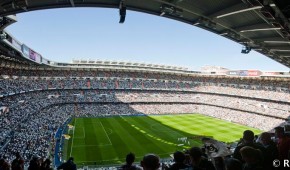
108, 140
163, 132
206, 126
122, 137
154, 128
147, 139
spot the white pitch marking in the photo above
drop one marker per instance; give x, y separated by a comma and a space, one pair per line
105, 132
76, 146
72, 143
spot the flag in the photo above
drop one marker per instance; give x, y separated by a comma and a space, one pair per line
215, 148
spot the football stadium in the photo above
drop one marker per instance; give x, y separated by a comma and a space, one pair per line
101, 114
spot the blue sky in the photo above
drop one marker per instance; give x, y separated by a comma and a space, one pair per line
94, 33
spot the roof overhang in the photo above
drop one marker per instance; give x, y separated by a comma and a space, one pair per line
262, 25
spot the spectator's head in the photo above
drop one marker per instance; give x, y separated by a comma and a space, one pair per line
70, 159
17, 155
46, 164
233, 164
179, 157
150, 162
195, 153
2, 161
251, 155
265, 138
248, 136
279, 132
130, 158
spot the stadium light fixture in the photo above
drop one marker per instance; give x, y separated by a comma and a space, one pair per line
240, 11
170, 10
122, 11
246, 49
162, 14
277, 42
261, 29
225, 33
281, 50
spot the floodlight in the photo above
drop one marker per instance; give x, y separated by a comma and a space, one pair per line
3, 35
246, 49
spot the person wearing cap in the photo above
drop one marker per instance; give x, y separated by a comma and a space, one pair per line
68, 165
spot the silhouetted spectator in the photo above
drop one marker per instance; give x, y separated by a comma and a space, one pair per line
179, 158
150, 162
34, 164
270, 152
219, 163
233, 164
248, 140
17, 163
198, 162
253, 158
46, 165
4, 165
130, 158
69, 165
283, 143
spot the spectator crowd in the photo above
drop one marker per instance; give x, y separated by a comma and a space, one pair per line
37, 103
249, 154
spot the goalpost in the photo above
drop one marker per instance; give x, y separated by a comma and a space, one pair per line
71, 129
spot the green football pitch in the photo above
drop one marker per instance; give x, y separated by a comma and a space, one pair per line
107, 140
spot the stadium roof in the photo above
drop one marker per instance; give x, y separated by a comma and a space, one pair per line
261, 25
127, 63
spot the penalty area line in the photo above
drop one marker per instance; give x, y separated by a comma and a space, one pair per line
76, 146
105, 132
